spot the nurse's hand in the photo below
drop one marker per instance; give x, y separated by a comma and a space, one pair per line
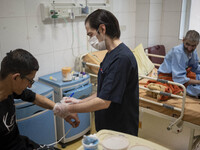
61, 110
73, 120
70, 100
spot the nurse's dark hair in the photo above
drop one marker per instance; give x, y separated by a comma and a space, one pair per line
192, 36
101, 16
18, 61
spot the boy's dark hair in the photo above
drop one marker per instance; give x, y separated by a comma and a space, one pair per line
101, 16
18, 61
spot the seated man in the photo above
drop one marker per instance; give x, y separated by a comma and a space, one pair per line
182, 64
18, 69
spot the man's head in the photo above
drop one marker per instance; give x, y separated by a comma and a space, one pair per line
103, 21
21, 66
191, 40
101, 26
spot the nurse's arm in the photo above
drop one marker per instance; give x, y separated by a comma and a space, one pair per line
89, 98
44, 102
89, 106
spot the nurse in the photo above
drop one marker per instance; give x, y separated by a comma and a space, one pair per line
116, 103
182, 57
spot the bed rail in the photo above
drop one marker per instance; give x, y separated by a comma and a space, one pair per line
181, 110
177, 123
154, 55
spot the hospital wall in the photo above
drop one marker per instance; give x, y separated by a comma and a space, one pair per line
51, 43
158, 22
170, 24
170, 27
149, 22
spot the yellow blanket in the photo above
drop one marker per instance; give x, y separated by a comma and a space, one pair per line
145, 66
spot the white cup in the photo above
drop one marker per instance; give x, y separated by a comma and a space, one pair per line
91, 146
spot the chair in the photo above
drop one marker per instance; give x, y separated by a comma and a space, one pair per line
157, 50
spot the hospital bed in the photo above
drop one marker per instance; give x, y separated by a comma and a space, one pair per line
180, 111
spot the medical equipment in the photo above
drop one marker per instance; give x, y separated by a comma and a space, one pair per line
85, 10
35, 122
66, 73
69, 10
52, 78
81, 88
71, 94
178, 115
48, 145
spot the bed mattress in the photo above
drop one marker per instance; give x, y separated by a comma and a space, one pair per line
192, 107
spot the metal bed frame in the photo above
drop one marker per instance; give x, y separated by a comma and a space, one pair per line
176, 124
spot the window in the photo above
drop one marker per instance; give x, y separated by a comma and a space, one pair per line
194, 21
190, 17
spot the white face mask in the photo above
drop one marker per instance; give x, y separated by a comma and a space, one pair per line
94, 42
